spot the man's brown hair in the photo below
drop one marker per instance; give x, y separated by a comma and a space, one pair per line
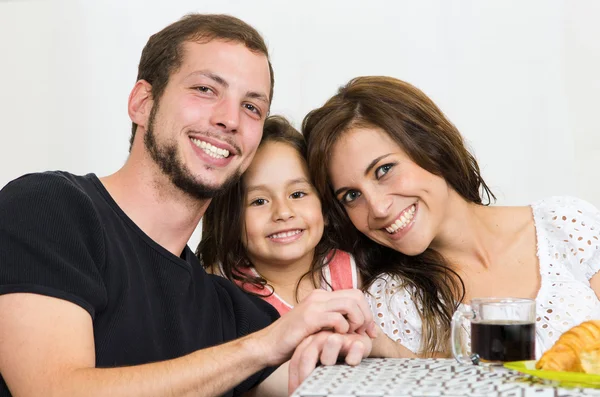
163, 53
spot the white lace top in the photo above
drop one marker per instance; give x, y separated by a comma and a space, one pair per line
568, 233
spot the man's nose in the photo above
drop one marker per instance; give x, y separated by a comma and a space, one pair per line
226, 115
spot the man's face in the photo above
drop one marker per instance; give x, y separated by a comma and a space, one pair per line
205, 128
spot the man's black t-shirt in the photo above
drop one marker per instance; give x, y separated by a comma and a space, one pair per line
63, 236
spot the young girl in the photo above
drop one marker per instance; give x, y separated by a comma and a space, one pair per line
266, 232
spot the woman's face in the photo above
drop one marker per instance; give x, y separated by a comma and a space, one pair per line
388, 197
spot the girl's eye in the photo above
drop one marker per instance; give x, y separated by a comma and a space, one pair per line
258, 202
384, 169
350, 196
297, 195
252, 108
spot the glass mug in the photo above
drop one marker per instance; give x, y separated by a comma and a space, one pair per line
502, 329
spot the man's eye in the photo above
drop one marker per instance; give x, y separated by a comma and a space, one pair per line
258, 202
384, 169
297, 195
350, 196
203, 88
252, 108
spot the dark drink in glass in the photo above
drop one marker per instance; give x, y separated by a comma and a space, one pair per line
503, 340
502, 329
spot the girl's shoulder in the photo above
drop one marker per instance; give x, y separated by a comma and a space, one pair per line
341, 271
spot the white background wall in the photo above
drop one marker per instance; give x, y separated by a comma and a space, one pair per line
520, 78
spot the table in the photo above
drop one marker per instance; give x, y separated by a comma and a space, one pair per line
396, 377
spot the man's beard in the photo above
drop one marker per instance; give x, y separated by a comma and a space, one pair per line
168, 159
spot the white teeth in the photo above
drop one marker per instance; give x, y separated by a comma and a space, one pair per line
403, 221
286, 234
211, 150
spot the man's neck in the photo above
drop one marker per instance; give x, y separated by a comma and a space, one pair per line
165, 213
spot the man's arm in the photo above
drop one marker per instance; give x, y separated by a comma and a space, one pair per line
47, 348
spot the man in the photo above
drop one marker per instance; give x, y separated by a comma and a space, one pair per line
99, 293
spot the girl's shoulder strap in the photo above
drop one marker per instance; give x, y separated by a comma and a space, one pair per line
265, 293
342, 270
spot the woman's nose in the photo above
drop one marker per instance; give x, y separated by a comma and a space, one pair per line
379, 205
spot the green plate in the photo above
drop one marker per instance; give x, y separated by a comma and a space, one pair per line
564, 378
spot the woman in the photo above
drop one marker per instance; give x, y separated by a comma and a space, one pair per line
404, 196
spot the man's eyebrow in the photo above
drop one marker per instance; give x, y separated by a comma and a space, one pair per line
223, 83
213, 76
367, 170
257, 95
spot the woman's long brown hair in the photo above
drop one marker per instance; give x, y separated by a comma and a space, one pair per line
420, 128
222, 224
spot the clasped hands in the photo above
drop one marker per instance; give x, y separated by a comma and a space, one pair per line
324, 327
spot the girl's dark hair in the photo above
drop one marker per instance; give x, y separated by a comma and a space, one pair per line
222, 224
420, 128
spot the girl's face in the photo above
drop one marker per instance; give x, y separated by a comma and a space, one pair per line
387, 196
283, 222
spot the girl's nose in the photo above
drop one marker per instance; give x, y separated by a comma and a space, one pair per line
282, 212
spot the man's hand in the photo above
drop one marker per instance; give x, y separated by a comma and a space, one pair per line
326, 347
344, 311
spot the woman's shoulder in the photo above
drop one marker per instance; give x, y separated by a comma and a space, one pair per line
566, 215
562, 206
568, 230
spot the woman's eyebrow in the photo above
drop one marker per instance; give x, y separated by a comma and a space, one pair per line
367, 170
375, 161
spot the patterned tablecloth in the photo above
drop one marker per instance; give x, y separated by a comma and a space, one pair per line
426, 377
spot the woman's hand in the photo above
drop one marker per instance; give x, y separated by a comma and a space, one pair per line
385, 347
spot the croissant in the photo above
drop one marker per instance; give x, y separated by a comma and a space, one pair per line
566, 354
590, 359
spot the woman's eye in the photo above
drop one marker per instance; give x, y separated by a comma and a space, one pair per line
258, 202
350, 196
384, 169
297, 195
